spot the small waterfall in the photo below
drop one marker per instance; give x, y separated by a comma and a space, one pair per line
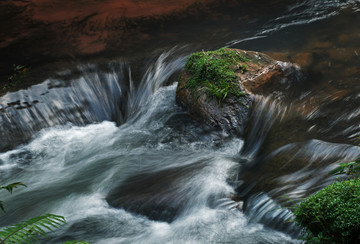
263, 209
155, 76
92, 97
264, 114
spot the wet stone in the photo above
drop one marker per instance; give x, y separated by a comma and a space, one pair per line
157, 195
256, 74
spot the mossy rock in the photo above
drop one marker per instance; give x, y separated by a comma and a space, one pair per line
218, 87
333, 213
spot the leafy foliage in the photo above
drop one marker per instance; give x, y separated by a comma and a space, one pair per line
29, 231
332, 215
351, 168
19, 71
10, 188
214, 70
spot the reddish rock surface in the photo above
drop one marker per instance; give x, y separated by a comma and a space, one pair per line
37, 32
83, 27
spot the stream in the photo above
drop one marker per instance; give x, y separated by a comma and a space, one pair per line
104, 143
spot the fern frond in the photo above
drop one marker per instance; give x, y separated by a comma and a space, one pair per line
32, 229
11, 186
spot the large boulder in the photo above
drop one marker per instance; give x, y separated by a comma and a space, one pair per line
218, 87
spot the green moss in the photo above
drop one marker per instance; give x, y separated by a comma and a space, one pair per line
19, 71
332, 215
215, 71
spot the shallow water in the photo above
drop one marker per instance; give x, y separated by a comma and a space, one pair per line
112, 133
93, 159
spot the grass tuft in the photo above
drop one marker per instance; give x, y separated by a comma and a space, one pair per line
215, 71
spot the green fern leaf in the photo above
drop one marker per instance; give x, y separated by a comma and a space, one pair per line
32, 229
10, 187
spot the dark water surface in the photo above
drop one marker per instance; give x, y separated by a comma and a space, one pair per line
100, 140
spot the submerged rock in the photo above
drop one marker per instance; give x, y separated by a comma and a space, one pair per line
159, 195
218, 87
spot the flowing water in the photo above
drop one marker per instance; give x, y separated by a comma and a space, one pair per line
109, 149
